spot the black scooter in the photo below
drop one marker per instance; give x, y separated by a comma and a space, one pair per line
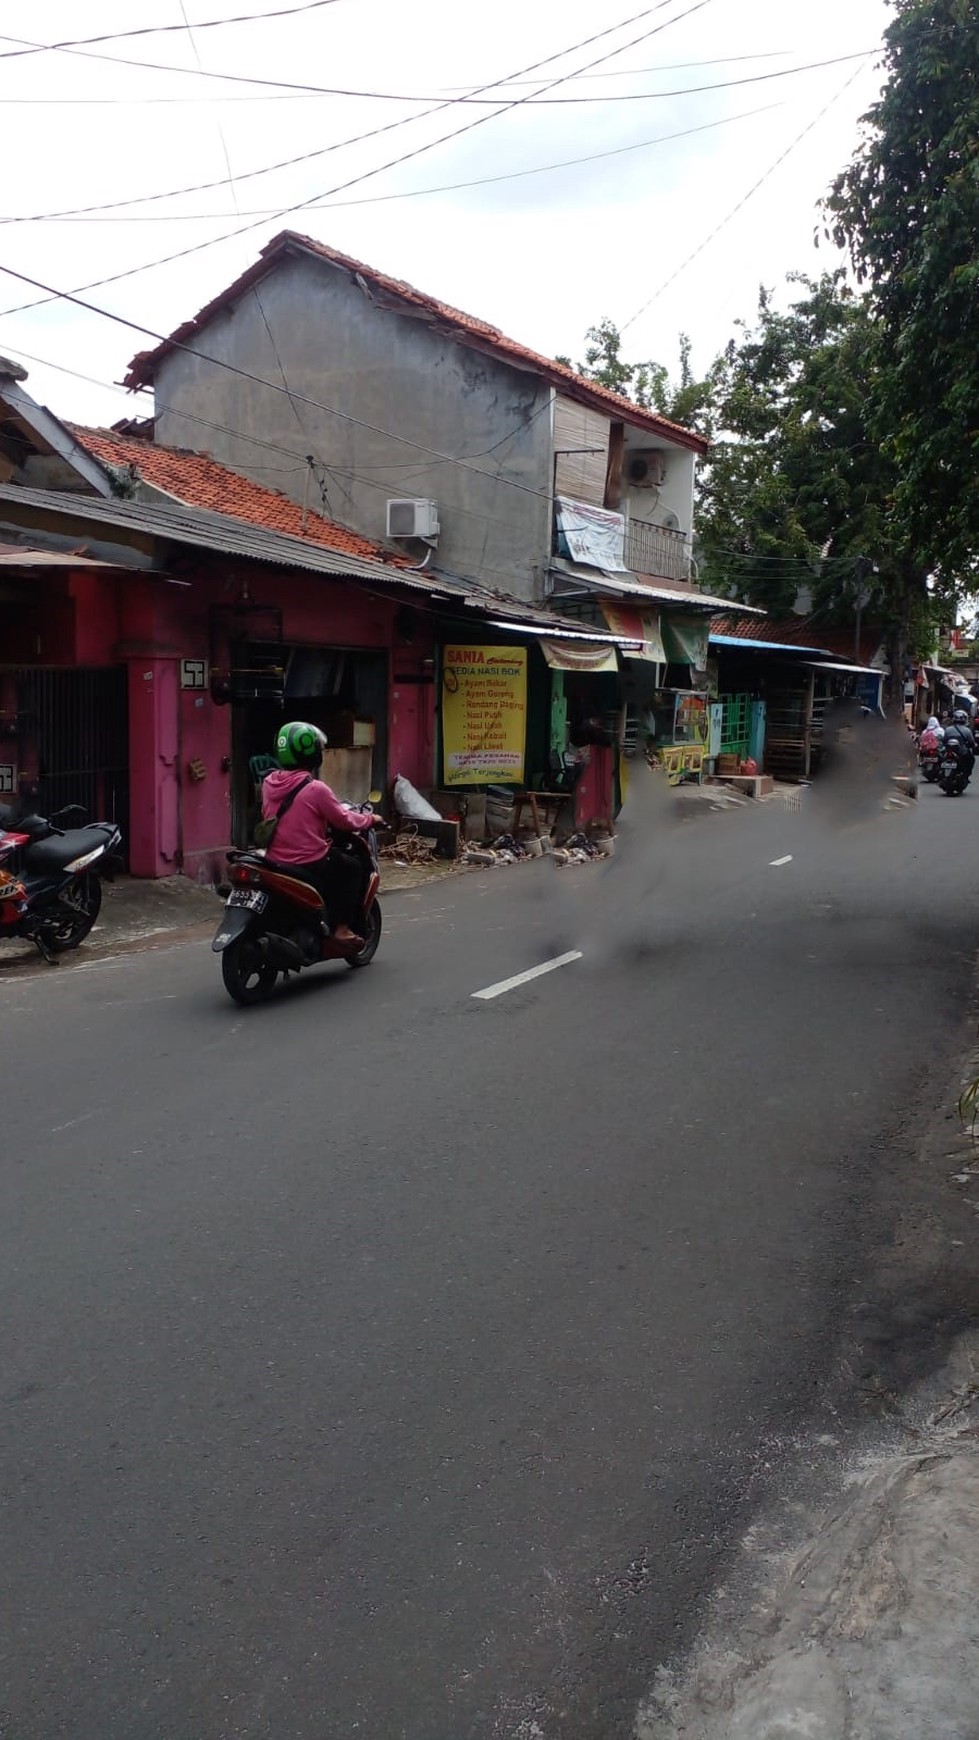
275, 921
51, 877
955, 764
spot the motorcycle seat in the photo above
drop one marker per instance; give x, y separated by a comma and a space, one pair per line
45, 856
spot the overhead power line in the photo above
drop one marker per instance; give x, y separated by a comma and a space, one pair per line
475, 99
769, 172
274, 447
465, 464
157, 30
408, 156
309, 94
85, 213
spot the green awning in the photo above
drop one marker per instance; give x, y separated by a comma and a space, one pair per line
686, 639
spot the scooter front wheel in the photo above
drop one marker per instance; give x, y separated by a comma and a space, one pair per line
371, 939
247, 977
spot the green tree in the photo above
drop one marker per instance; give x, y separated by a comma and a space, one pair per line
684, 400
908, 210
795, 490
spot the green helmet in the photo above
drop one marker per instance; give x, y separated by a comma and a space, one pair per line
299, 745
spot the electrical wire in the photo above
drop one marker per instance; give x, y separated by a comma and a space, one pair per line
311, 94
334, 471
535, 99
769, 172
272, 386
158, 30
84, 216
418, 151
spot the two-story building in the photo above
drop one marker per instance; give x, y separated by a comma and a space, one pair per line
514, 472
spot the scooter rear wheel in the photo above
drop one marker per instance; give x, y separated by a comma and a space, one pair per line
247, 977
371, 940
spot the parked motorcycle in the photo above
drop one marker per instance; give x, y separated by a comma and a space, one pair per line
275, 921
956, 762
51, 877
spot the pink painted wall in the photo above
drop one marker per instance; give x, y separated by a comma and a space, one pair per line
180, 819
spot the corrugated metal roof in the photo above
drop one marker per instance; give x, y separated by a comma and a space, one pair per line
230, 537
629, 585
20, 556
800, 630
210, 531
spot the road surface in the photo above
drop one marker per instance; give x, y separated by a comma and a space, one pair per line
397, 1362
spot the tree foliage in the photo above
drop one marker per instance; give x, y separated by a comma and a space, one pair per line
684, 399
795, 491
908, 210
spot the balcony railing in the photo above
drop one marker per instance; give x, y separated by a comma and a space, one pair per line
655, 550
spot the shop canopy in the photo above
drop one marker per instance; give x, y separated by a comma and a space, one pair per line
851, 670
640, 626
776, 646
572, 655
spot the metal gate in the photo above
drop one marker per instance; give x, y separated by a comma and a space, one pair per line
73, 729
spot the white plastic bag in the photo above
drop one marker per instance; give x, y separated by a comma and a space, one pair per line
409, 802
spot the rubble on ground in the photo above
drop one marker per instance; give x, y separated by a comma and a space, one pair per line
580, 848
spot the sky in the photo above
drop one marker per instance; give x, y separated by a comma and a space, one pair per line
655, 219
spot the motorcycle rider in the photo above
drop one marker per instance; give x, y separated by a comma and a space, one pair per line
959, 736
302, 838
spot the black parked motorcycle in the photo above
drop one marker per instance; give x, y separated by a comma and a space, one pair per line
51, 877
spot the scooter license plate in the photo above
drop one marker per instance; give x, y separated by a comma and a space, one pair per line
250, 897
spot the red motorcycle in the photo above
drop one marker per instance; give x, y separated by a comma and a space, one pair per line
51, 877
275, 920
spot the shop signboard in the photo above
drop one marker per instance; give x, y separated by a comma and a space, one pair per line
484, 715
691, 720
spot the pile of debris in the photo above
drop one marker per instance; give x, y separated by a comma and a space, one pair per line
505, 849
408, 847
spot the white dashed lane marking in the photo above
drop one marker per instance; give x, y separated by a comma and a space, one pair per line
497, 990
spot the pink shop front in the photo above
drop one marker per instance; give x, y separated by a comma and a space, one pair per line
152, 696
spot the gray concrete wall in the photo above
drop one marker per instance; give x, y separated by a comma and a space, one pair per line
389, 370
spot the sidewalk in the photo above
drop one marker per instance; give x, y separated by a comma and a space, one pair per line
134, 909
871, 1632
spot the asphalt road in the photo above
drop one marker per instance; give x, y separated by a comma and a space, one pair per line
393, 1362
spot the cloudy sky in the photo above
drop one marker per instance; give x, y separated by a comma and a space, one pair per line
597, 191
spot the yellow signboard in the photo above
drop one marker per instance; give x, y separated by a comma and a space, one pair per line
484, 715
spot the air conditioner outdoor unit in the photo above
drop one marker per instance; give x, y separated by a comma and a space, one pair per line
646, 468
413, 518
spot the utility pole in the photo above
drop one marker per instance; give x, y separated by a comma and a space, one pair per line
861, 568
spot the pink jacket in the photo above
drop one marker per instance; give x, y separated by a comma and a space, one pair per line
302, 836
